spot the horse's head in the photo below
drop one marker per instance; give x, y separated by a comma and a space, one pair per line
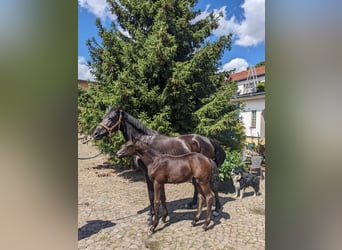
131, 147
110, 123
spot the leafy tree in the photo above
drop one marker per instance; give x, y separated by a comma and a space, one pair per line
260, 64
161, 69
219, 118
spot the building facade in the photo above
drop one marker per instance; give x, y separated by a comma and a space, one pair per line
253, 98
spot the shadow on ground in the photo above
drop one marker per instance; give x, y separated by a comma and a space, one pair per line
178, 212
181, 203
128, 174
249, 194
131, 174
93, 227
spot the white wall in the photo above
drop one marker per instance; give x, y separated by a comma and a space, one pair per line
240, 84
257, 105
261, 78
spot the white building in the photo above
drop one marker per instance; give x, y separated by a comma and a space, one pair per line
253, 114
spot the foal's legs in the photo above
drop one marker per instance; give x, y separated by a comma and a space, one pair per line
214, 187
157, 191
163, 202
150, 190
205, 187
195, 197
205, 191
200, 205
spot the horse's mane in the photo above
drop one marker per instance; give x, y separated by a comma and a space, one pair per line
146, 148
138, 125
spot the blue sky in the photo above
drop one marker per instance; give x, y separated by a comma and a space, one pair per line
244, 18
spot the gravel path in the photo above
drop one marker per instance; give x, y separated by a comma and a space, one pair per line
113, 208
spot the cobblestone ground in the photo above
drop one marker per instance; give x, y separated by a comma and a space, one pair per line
113, 208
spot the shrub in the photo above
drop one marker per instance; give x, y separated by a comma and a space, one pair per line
260, 87
233, 160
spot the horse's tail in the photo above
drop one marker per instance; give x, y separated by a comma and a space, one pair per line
220, 155
215, 178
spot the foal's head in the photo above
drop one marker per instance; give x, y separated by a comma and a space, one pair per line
132, 147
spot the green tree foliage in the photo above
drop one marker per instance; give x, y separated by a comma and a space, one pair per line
219, 118
162, 72
260, 64
261, 87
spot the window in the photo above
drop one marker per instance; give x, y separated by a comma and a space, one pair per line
253, 119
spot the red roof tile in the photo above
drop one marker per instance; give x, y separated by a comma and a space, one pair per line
84, 83
243, 74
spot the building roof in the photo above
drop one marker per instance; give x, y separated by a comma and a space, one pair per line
84, 83
244, 74
248, 96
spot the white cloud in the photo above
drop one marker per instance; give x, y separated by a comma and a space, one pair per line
239, 64
250, 32
252, 29
225, 26
83, 70
201, 16
99, 8
124, 32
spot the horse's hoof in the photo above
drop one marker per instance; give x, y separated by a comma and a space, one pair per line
215, 213
151, 230
205, 227
193, 223
164, 219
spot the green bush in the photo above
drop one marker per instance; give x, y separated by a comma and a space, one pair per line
233, 160
261, 87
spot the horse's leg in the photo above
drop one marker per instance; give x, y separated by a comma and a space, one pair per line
209, 200
163, 202
218, 205
214, 184
256, 189
195, 197
150, 190
157, 189
200, 206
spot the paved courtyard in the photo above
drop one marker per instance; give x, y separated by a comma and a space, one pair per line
113, 208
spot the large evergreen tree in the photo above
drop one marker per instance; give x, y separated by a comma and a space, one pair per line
162, 69
219, 118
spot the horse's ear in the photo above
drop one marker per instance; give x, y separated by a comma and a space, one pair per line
109, 107
133, 139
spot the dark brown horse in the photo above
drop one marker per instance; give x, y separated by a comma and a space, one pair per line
116, 119
163, 169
